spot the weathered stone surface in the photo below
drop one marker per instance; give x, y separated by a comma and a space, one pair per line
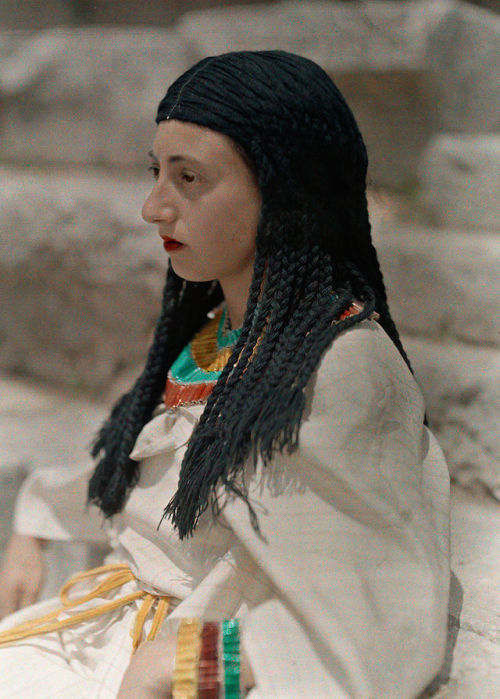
460, 180
35, 14
40, 426
10, 40
461, 386
462, 53
80, 276
441, 283
373, 51
94, 90
472, 665
372, 34
475, 552
86, 95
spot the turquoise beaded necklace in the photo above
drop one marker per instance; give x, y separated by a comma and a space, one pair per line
196, 370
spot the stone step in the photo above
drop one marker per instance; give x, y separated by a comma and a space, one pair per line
461, 386
81, 275
443, 284
460, 181
95, 89
475, 552
86, 94
462, 53
41, 426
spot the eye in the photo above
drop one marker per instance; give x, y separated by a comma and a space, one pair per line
155, 170
188, 177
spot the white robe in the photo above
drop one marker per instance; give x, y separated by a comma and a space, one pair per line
344, 595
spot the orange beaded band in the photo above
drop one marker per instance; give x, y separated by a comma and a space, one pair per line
178, 394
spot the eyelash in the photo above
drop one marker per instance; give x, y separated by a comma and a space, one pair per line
155, 170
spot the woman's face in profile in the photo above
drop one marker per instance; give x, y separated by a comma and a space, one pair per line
206, 198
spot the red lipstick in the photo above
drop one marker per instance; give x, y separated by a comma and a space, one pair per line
170, 244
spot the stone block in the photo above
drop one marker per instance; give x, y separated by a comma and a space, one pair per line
395, 117
10, 40
461, 386
372, 50
89, 95
41, 427
463, 54
459, 179
443, 284
81, 276
34, 14
356, 35
475, 552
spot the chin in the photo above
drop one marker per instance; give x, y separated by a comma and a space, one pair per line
192, 275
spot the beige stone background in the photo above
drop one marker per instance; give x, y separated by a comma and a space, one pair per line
81, 274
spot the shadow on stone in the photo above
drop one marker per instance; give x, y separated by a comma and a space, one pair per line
454, 611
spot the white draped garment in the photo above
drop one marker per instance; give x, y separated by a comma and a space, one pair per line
344, 594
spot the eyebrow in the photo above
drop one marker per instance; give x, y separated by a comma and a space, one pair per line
175, 158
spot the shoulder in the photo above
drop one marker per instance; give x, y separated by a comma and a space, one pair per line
363, 370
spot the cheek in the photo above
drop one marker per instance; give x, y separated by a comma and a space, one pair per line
231, 227
242, 219
244, 242
236, 241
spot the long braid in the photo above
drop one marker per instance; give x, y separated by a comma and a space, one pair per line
273, 316
242, 349
116, 472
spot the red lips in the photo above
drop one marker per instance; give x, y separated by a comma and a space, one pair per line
170, 244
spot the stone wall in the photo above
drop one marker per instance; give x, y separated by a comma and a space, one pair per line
34, 14
80, 273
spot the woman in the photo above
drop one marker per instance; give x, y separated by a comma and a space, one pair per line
280, 446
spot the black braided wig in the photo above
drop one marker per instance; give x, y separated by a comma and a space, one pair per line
314, 256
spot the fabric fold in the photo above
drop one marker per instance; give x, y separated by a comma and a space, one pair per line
167, 431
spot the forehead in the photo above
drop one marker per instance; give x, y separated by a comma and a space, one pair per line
181, 137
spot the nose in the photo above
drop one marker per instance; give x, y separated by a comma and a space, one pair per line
159, 207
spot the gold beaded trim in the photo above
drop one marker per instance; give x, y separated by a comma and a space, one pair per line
204, 347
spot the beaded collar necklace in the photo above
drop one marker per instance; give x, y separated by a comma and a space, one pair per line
195, 372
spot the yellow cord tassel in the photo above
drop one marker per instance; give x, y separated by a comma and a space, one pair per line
119, 574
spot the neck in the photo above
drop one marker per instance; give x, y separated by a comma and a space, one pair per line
235, 290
